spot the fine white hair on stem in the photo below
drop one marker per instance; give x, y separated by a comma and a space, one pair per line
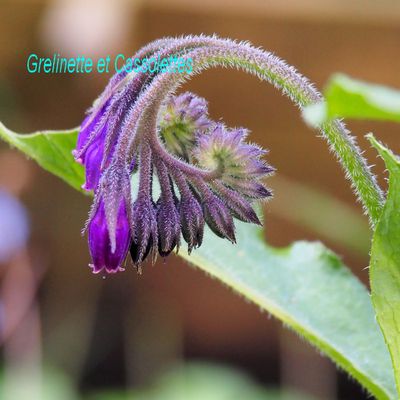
207, 52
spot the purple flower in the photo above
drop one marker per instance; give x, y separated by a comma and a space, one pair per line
100, 244
206, 173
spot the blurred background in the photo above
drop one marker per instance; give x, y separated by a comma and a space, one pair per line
172, 332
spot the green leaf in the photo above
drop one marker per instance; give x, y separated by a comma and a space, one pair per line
48, 385
348, 97
52, 151
305, 285
385, 260
310, 290
200, 381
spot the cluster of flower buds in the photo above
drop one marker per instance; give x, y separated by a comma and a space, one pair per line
138, 136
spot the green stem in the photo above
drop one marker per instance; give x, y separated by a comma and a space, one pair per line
284, 77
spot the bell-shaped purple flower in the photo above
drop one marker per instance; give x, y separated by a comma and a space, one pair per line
99, 240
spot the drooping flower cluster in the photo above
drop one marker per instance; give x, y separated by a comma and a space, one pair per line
205, 172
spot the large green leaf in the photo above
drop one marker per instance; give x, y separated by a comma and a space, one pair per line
305, 285
52, 151
309, 289
350, 98
385, 261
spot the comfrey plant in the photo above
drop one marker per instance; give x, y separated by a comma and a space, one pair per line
206, 171
161, 171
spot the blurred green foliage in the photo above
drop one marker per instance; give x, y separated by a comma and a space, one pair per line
194, 381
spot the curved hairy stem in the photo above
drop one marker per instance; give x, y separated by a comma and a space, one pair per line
268, 67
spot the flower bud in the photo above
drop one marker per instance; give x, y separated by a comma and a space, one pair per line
169, 229
225, 150
218, 218
240, 208
192, 221
144, 230
183, 118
